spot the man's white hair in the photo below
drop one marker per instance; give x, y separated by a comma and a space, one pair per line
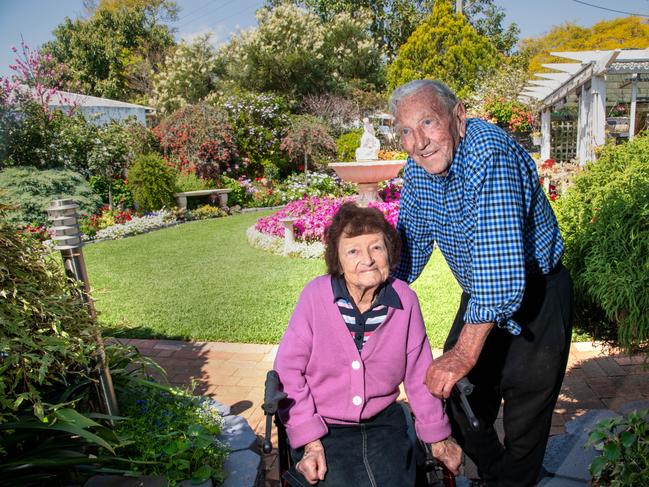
442, 92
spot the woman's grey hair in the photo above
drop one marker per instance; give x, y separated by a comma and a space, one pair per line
439, 89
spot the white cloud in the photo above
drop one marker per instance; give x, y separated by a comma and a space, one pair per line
218, 34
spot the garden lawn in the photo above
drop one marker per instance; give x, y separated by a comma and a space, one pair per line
202, 281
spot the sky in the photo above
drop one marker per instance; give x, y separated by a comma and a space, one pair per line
34, 20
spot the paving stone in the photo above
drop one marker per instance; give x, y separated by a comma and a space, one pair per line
633, 406
610, 366
237, 434
566, 456
242, 468
586, 346
561, 482
592, 369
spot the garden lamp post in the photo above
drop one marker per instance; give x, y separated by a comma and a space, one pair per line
67, 237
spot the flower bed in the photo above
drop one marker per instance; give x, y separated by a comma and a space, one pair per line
136, 225
313, 215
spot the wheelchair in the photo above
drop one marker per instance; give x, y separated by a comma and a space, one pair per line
430, 472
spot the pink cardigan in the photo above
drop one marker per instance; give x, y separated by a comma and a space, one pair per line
328, 381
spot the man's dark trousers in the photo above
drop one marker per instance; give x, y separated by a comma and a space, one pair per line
526, 371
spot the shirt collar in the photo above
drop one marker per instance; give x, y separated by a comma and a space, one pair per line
386, 296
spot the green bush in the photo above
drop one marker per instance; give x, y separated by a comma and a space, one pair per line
206, 211
122, 196
171, 433
259, 121
188, 181
32, 190
199, 138
347, 144
604, 218
152, 182
45, 139
624, 445
45, 334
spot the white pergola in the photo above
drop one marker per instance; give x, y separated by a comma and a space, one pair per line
600, 79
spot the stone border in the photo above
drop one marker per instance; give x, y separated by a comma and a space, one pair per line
278, 246
243, 463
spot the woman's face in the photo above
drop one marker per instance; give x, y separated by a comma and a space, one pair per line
364, 260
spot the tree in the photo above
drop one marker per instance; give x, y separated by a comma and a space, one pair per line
308, 138
445, 47
393, 21
487, 19
293, 53
111, 155
621, 33
189, 75
114, 52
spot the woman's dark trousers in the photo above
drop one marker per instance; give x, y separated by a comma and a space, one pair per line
526, 371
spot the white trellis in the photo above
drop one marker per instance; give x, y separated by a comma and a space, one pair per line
594, 84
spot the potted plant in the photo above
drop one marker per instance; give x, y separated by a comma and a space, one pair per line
536, 137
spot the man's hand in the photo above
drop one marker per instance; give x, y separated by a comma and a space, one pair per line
449, 453
313, 465
445, 371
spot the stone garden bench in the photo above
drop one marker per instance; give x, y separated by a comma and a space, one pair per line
181, 198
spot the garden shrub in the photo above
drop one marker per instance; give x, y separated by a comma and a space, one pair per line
122, 196
206, 211
198, 138
32, 190
347, 144
188, 181
624, 445
308, 137
171, 433
46, 139
152, 182
259, 121
604, 218
45, 336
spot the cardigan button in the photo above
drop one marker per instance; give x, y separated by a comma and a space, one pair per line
356, 365
357, 401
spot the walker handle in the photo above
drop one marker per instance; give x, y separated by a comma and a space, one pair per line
464, 388
272, 396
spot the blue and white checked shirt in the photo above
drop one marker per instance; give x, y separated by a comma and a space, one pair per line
489, 217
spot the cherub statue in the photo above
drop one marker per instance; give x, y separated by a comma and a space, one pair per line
370, 145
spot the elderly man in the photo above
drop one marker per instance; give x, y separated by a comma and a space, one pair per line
474, 191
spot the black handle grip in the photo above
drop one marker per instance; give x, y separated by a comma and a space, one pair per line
272, 393
464, 388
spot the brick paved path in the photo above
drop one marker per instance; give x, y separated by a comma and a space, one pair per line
234, 374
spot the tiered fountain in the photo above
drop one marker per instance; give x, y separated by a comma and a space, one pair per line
368, 170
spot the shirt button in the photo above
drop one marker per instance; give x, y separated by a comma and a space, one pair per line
356, 365
357, 400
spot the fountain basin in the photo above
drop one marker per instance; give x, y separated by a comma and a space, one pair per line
368, 175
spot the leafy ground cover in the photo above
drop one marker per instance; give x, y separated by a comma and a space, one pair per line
202, 281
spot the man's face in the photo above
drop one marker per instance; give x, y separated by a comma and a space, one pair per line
428, 134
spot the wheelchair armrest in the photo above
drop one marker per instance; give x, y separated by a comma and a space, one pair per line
272, 393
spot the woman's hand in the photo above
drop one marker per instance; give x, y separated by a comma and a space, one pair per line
313, 465
449, 453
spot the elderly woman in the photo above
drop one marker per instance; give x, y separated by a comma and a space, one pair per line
354, 337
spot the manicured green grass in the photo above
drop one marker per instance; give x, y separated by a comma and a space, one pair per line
202, 281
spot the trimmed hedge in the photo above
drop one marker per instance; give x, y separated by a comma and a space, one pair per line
32, 190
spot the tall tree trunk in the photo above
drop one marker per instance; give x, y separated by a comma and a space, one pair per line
110, 194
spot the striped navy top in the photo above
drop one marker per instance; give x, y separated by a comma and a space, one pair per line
362, 325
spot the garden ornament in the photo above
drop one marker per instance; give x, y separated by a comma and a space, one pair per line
370, 145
